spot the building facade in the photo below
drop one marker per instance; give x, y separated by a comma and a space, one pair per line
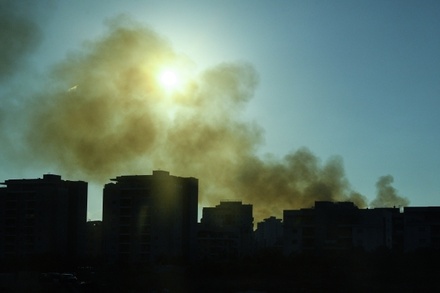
342, 226
422, 228
226, 231
150, 218
379, 228
43, 219
93, 249
269, 234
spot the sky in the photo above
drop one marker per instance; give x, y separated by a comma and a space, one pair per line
278, 103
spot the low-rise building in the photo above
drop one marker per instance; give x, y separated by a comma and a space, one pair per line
342, 226
226, 231
94, 241
269, 234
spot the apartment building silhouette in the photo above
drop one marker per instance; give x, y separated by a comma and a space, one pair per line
421, 228
341, 226
150, 218
42, 219
153, 219
226, 231
269, 233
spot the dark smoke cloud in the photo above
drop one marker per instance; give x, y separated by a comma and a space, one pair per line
297, 181
19, 35
103, 114
387, 195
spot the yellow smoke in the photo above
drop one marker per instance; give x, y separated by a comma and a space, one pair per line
387, 195
104, 114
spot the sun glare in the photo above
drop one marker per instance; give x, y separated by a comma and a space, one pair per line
169, 79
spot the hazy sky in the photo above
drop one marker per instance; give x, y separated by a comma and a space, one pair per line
359, 80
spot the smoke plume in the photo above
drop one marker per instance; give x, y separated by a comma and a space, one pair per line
387, 195
103, 113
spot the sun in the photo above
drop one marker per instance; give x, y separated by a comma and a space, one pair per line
174, 79
169, 79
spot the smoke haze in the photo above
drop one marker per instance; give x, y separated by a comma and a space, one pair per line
19, 35
103, 113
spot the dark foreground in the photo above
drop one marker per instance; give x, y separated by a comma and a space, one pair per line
268, 272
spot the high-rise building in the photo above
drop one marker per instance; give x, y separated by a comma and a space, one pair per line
42, 219
150, 218
226, 230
